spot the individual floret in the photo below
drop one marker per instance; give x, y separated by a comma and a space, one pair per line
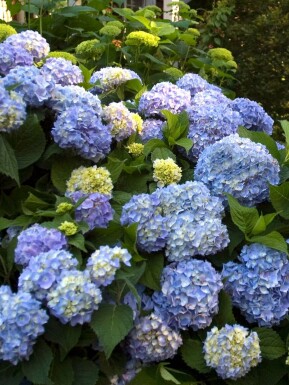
195, 83
164, 96
152, 340
74, 298
239, 167
13, 110
232, 351
21, 322
259, 285
79, 129
35, 240
103, 264
62, 71
166, 172
11, 57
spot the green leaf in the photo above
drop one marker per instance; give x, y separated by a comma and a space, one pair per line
177, 125
225, 314
115, 167
61, 171
8, 162
144, 21
78, 241
279, 196
271, 344
130, 237
112, 323
285, 128
186, 143
274, 240
192, 354
244, 218
152, 145
37, 368
260, 226
74, 11
62, 372
167, 376
28, 142
152, 275
85, 372
161, 28
162, 153
9, 374
22, 220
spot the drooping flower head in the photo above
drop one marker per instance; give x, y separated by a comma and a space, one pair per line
80, 129
35, 240
62, 71
11, 57
13, 110
232, 351
239, 167
166, 171
110, 78
21, 322
142, 38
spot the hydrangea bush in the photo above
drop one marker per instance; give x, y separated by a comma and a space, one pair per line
144, 210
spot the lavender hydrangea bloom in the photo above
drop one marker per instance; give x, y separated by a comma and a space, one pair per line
152, 129
164, 96
195, 83
43, 270
103, 264
239, 167
110, 78
253, 115
74, 298
73, 96
80, 129
259, 286
21, 322
32, 42
95, 210
62, 71
132, 367
232, 351
13, 110
11, 57
152, 340
189, 294
30, 84
35, 240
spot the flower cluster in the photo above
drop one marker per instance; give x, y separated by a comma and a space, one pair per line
62, 71
11, 57
41, 273
74, 298
232, 351
152, 129
110, 78
164, 96
6, 31
103, 264
63, 55
142, 38
89, 49
152, 340
253, 115
68, 228
135, 149
166, 171
189, 294
21, 322
220, 54
32, 42
259, 284
110, 30
13, 110
80, 129
35, 240
239, 167
195, 83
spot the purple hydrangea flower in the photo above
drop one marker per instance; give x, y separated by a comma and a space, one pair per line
21, 322
13, 110
35, 240
164, 96
259, 285
62, 71
195, 83
11, 57
152, 129
239, 167
79, 128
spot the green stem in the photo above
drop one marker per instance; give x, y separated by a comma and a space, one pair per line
40, 19
4, 266
29, 17
185, 59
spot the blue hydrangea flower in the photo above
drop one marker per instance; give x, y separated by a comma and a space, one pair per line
95, 210
103, 264
232, 351
11, 57
239, 167
73, 96
110, 78
132, 367
34, 87
74, 298
146, 301
21, 322
253, 115
120, 121
78, 128
210, 97
259, 285
35, 240
13, 110
195, 83
43, 270
152, 340
62, 71
164, 96
32, 42
152, 129
189, 294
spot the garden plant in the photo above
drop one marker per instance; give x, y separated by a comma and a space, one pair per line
144, 207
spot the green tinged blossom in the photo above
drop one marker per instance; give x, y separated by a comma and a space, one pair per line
166, 171
141, 37
220, 54
5, 31
110, 30
116, 23
89, 49
135, 149
194, 31
174, 73
68, 228
63, 55
63, 208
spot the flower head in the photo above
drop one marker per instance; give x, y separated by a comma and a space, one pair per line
110, 78
220, 54
135, 149
166, 171
89, 49
152, 129
195, 83
68, 228
63, 55
110, 30
64, 207
142, 38
11, 57
120, 120
13, 110
62, 71
6, 31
